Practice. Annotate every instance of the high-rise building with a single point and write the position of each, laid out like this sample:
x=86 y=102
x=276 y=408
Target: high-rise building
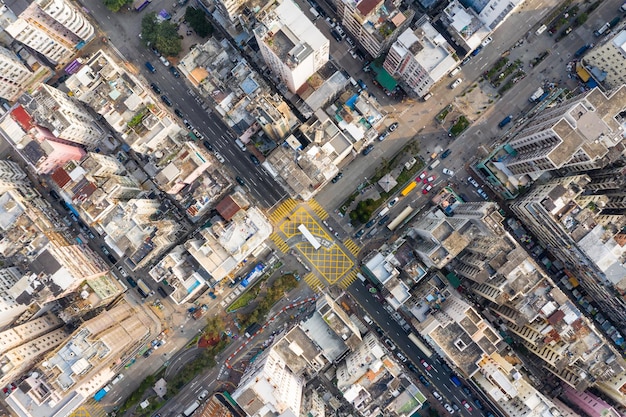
x=420 y=57
x=98 y=165
x=607 y=62
x=64 y=117
x=374 y=24
x=576 y=135
x=15 y=77
x=54 y=28
x=292 y=47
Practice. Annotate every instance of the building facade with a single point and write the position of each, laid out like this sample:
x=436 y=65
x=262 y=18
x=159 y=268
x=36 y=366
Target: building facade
x=607 y=62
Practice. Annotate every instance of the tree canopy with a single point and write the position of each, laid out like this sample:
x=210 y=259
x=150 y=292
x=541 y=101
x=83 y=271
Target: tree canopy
x=198 y=22
x=161 y=35
x=115 y=5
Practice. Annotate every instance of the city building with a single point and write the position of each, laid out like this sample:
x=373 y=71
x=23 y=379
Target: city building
x=273 y=116
x=65 y=377
x=606 y=62
x=464 y=26
x=220 y=405
x=221 y=248
x=10 y=309
x=98 y=165
x=291 y=46
x=54 y=28
x=65 y=117
x=579 y=134
x=420 y=58
x=492 y=13
x=16 y=76
x=374 y=24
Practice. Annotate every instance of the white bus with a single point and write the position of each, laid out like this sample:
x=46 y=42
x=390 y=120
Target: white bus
x=309 y=236
x=421 y=346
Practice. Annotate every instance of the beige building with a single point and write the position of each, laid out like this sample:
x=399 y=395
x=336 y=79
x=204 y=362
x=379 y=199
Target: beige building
x=98 y=165
x=607 y=62
x=15 y=76
x=54 y=28
x=273 y=116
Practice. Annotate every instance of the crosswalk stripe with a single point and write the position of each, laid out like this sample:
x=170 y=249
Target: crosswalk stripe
x=352 y=246
x=279 y=242
x=313 y=282
x=349 y=279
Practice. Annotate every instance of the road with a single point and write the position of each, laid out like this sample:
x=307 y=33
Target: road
x=123 y=31
x=437 y=376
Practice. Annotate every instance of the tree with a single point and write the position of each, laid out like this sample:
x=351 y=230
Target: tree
x=115 y=5
x=163 y=36
x=214 y=326
x=198 y=22
x=363 y=210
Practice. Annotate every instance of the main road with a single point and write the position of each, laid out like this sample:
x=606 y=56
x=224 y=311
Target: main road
x=123 y=31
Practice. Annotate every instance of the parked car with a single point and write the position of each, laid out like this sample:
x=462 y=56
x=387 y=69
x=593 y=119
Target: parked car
x=401 y=357
x=390 y=344
x=359 y=233
x=337 y=177
x=255 y=160
x=467 y=405
x=427 y=189
x=478 y=404
x=393 y=126
x=456 y=83
x=208 y=145
x=446 y=153
x=219 y=157
x=487 y=41
x=437 y=396
x=178 y=113
x=383 y=136
x=393 y=202
x=369 y=148
x=449 y=408
x=421 y=177
x=473 y=182
x=350 y=42
x=336 y=35
x=122 y=271
x=166 y=100
x=423 y=380
x=174 y=72
x=155 y=88
x=477 y=50
x=240 y=181
x=150 y=67
x=54 y=195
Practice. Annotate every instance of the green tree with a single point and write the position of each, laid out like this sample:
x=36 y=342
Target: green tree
x=149 y=28
x=363 y=210
x=115 y=5
x=214 y=326
x=163 y=36
x=198 y=22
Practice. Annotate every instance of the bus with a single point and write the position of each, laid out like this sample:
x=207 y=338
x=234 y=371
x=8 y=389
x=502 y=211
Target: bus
x=143 y=289
x=421 y=346
x=139 y=5
x=401 y=217
x=408 y=189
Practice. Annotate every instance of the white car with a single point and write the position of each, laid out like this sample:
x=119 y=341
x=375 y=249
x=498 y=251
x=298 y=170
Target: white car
x=203 y=395
x=487 y=41
x=449 y=408
x=219 y=157
x=437 y=395
x=473 y=182
x=122 y=271
x=456 y=83
x=448 y=172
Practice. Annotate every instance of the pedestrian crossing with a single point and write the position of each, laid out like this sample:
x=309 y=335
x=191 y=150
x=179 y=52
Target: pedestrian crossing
x=352 y=246
x=318 y=209
x=89 y=408
x=348 y=279
x=279 y=242
x=314 y=282
x=283 y=210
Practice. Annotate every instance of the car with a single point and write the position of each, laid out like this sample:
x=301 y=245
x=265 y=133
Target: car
x=359 y=233
x=393 y=202
x=467 y=405
x=340 y=30
x=425 y=365
x=370 y=223
x=164 y=61
x=208 y=145
x=91 y=235
x=446 y=153
x=337 y=177
x=466 y=390
x=150 y=67
x=240 y=181
x=197 y=133
x=353 y=54
x=449 y=408
x=212 y=295
x=350 y=42
x=466 y=60
x=384 y=220
x=122 y=271
x=362 y=84
x=423 y=380
x=155 y=88
x=55 y=195
x=448 y=172
x=369 y=148
x=437 y=396
x=456 y=83
x=427 y=189
x=456 y=407
x=219 y=157
x=162 y=291
x=174 y=72
x=255 y=160
x=429 y=179
x=147 y=353
x=336 y=35
x=478 y=404
x=111 y=258
x=393 y=126
x=412 y=368
x=380 y=331
x=390 y=344
x=383 y=136
x=477 y=50
x=166 y=100
x=482 y=193
x=421 y=177
x=487 y=41
x=203 y=395
x=178 y=113
x=105 y=250
x=401 y=357
x=473 y=182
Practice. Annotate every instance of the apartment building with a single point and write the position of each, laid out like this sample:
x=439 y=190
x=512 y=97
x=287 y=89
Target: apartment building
x=54 y=28
x=580 y=134
x=420 y=57
x=374 y=24
x=15 y=76
x=607 y=62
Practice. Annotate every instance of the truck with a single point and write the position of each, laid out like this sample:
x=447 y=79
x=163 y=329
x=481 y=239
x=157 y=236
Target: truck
x=538 y=93
x=505 y=121
x=602 y=30
x=581 y=51
x=100 y=394
x=614 y=22
x=190 y=410
x=199 y=312
x=139 y=5
x=455 y=380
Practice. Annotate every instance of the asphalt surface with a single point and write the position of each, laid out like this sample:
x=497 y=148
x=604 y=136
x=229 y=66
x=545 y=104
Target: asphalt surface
x=437 y=376
x=123 y=30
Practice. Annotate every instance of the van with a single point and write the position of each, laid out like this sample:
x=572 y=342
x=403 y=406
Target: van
x=353 y=82
x=427 y=96
x=383 y=212
x=434 y=164
x=240 y=145
x=150 y=67
x=117 y=379
x=315 y=13
x=454 y=72
x=541 y=29
x=384 y=220
x=368 y=320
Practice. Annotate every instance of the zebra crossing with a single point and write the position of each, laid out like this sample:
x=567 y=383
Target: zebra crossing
x=89 y=408
x=313 y=282
x=279 y=242
x=283 y=210
x=348 y=279
x=352 y=246
x=318 y=209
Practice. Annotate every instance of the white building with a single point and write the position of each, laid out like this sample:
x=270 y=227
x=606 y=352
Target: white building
x=54 y=28
x=420 y=58
x=65 y=117
x=10 y=309
x=292 y=47
x=14 y=75
x=269 y=387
